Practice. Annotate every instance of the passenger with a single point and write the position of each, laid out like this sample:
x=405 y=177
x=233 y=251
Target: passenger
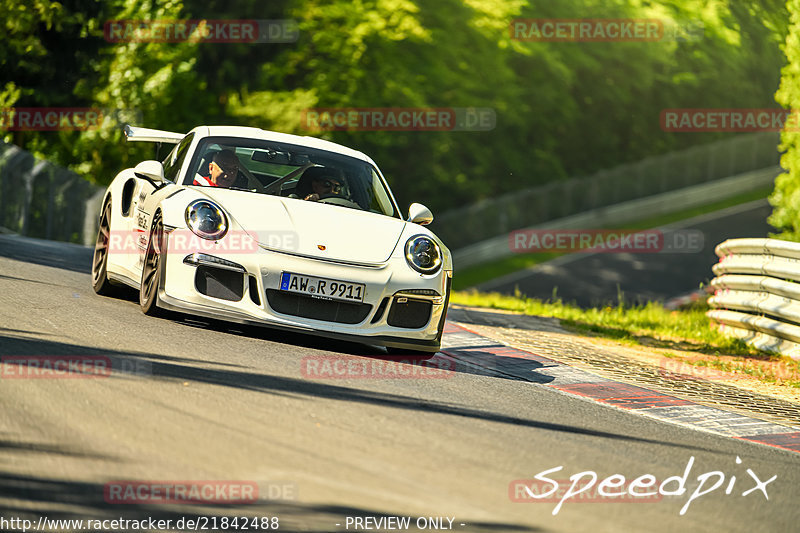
x=223 y=170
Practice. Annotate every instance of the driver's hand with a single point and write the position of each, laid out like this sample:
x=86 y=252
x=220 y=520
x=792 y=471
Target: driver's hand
x=314 y=197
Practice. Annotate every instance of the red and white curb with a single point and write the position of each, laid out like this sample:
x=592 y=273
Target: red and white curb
x=470 y=348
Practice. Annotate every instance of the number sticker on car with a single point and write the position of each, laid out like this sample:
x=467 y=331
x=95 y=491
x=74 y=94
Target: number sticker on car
x=322 y=287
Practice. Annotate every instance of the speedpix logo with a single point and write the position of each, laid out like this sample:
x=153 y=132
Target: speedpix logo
x=644 y=488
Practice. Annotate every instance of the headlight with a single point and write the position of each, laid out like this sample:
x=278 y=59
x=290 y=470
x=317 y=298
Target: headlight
x=423 y=254
x=206 y=220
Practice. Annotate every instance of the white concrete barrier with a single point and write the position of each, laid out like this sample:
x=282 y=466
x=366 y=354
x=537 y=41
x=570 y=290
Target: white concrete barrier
x=757 y=293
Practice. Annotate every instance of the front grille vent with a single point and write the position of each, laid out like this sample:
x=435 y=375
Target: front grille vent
x=219 y=283
x=411 y=313
x=317 y=308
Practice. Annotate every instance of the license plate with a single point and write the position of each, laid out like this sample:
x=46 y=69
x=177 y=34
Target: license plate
x=322 y=287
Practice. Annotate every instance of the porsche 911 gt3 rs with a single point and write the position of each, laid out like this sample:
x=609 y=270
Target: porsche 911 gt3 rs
x=272 y=229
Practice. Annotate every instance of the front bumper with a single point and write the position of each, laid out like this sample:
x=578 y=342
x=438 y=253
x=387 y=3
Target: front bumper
x=386 y=296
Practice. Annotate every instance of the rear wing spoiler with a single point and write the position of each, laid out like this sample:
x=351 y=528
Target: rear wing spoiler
x=155 y=136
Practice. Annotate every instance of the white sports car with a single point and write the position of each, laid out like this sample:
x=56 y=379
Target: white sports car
x=266 y=228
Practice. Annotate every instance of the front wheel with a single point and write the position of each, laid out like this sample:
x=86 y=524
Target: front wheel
x=151 y=269
x=100 y=281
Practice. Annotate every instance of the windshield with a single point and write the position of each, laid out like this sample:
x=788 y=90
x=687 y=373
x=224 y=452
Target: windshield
x=294 y=172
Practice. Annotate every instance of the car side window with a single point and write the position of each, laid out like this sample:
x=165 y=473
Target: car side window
x=174 y=161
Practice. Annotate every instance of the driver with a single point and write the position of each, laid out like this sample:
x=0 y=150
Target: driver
x=222 y=170
x=317 y=182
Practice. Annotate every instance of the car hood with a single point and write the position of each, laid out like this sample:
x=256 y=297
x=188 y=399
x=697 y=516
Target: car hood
x=311 y=228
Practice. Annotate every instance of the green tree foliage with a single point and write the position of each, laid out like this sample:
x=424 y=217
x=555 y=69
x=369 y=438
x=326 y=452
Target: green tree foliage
x=786 y=196
x=562 y=108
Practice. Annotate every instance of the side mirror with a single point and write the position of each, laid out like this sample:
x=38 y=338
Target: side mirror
x=150 y=170
x=419 y=214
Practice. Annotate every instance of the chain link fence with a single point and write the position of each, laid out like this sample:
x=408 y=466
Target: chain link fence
x=521 y=209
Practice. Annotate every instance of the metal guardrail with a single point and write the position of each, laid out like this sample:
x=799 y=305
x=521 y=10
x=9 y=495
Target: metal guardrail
x=757 y=293
x=616 y=216
x=531 y=207
x=40 y=199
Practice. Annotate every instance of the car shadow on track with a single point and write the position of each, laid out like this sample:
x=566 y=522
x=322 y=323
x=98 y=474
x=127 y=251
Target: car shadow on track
x=28 y=497
x=155 y=368
x=346 y=358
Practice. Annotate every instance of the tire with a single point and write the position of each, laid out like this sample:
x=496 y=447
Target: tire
x=151 y=270
x=100 y=281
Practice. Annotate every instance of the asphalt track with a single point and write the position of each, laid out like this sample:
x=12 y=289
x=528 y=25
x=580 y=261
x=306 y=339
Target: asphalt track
x=600 y=278
x=193 y=400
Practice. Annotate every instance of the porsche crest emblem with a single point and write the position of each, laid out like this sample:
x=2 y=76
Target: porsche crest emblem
x=322 y=247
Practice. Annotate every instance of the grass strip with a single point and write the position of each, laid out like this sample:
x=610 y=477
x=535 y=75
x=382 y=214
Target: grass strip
x=648 y=325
